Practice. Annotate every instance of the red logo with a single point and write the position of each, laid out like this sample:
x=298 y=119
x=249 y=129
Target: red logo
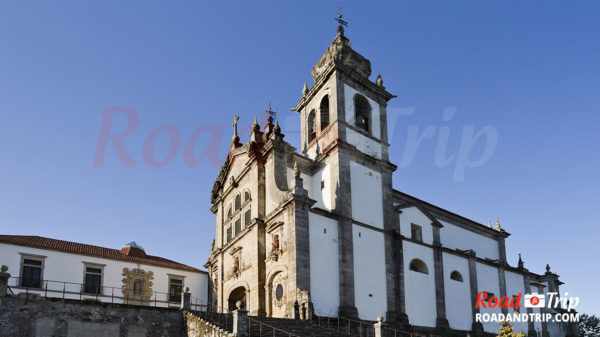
x=534 y=300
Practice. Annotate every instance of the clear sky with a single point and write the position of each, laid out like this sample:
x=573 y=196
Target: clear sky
x=527 y=72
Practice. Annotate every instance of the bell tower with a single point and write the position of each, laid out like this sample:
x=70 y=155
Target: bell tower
x=344 y=105
x=344 y=130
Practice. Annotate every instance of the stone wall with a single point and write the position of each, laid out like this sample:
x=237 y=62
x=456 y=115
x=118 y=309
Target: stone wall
x=41 y=317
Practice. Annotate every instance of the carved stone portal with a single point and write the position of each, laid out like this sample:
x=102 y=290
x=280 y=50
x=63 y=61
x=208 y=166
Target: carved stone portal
x=137 y=285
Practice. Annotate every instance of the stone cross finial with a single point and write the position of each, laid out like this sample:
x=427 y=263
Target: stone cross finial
x=341 y=23
x=235 y=123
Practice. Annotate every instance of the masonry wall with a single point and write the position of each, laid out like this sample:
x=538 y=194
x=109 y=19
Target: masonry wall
x=324 y=265
x=57 y=318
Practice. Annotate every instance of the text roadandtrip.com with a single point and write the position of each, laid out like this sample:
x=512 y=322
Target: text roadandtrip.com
x=531 y=301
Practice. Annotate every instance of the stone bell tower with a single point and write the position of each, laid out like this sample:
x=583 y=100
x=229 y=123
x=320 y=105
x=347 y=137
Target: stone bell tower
x=344 y=129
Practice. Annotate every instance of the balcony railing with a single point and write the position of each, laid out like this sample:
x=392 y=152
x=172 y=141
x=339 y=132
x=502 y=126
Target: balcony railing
x=104 y=294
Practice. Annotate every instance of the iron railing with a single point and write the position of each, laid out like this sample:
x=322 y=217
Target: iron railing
x=105 y=294
x=274 y=332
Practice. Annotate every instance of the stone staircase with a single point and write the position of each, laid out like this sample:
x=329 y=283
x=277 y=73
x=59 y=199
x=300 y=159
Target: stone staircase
x=276 y=327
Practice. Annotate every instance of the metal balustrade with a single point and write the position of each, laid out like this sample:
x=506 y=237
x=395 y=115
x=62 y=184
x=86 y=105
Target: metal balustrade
x=104 y=294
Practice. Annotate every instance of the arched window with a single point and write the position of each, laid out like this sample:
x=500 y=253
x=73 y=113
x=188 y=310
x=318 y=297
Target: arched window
x=418 y=266
x=456 y=276
x=246 y=196
x=362 y=113
x=238 y=202
x=312 y=132
x=324 y=109
x=229 y=212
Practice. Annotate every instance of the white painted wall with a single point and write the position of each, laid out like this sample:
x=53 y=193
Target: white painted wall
x=412 y=215
x=367 y=198
x=321 y=196
x=455 y=237
x=457 y=294
x=349 y=93
x=514 y=286
x=324 y=264
x=370 y=292
x=487 y=280
x=66 y=267
x=364 y=144
x=419 y=288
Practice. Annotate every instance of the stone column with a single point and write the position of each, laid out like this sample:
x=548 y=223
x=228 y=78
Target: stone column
x=186 y=299
x=240 y=320
x=4 y=276
x=438 y=265
x=379 y=327
x=476 y=326
x=502 y=284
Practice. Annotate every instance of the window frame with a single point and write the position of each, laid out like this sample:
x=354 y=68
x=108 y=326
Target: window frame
x=416 y=269
x=460 y=277
x=93 y=265
x=414 y=228
x=369 y=113
x=40 y=258
x=173 y=277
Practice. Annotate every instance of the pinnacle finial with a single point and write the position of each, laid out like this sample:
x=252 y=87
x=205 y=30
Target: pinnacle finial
x=498 y=228
x=235 y=123
x=490 y=223
x=379 y=81
x=547 y=268
x=520 y=261
x=255 y=121
x=296 y=170
x=304 y=90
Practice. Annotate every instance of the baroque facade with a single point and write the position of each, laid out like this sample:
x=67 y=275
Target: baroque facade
x=323 y=231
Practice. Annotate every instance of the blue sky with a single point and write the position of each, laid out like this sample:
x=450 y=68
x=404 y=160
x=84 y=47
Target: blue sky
x=528 y=70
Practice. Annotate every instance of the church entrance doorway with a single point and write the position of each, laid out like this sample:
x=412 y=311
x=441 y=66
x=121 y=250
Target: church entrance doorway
x=238 y=294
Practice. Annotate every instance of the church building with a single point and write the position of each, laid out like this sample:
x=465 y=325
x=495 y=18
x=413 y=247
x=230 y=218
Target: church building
x=321 y=230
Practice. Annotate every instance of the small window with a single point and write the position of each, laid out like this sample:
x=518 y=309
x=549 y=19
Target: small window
x=456 y=276
x=362 y=113
x=246 y=196
x=247 y=218
x=324 y=109
x=175 y=289
x=31 y=275
x=238 y=226
x=93 y=280
x=418 y=266
x=312 y=131
x=279 y=292
x=416 y=232
x=229 y=212
x=238 y=202
x=229 y=236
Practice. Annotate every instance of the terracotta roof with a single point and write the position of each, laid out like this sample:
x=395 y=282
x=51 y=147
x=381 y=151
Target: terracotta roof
x=83 y=249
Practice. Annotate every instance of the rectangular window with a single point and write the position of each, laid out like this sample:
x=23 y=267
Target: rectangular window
x=247 y=218
x=175 y=289
x=93 y=280
x=238 y=226
x=228 y=234
x=31 y=276
x=416 y=233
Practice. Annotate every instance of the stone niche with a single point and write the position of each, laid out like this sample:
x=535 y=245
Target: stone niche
x=137 y=285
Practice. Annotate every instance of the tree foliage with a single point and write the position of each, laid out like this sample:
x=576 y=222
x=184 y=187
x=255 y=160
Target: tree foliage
x=507 y=330
x=588 y=326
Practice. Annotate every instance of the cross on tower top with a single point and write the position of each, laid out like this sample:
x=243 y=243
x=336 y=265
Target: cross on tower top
x=341 y=23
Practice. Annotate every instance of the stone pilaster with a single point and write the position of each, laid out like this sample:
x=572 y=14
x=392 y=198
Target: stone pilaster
x=343 y=207
x=438 y=265
x=530 y=325
x=4 y=276
x=476 y=326
x=543 y=310
x=502 y=285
